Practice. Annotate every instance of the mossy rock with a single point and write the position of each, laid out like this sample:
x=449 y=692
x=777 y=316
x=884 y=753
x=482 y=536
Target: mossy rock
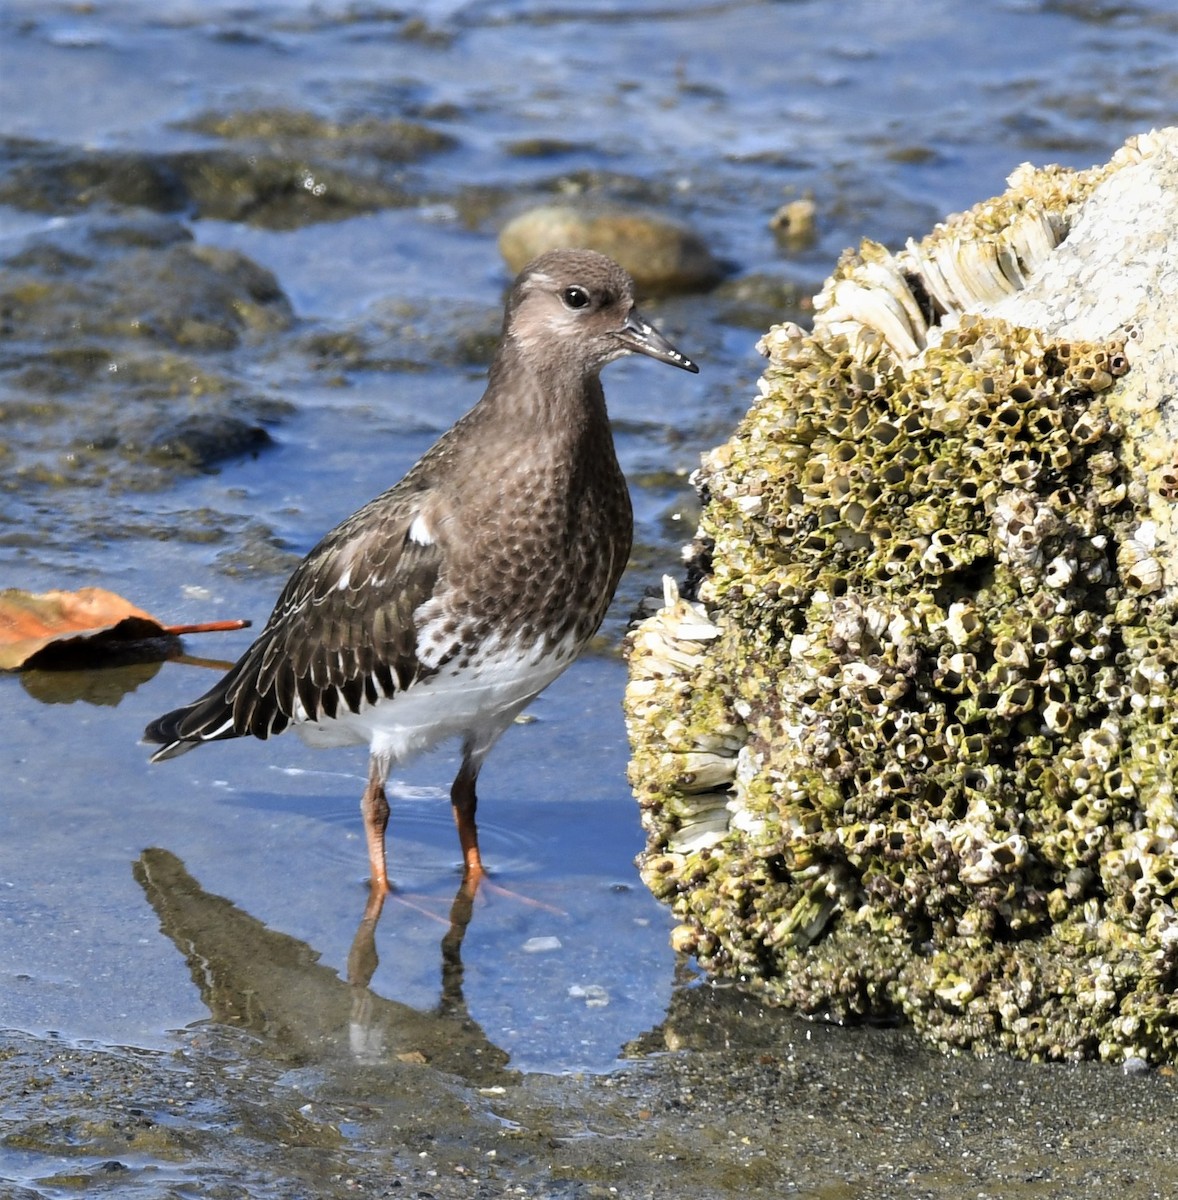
x=929 y=661
x=119 y=368
x=662 y=255
x=274 y=168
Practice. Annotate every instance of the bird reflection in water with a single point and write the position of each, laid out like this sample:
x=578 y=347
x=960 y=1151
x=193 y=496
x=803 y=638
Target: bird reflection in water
x=273 y=985
x=367 y=1031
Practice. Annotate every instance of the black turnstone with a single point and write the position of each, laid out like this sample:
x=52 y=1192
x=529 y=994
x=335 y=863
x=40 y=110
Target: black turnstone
x=447 y=604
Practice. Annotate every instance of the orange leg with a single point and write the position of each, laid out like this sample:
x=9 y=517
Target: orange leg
x=374 y=807
x=465 y=801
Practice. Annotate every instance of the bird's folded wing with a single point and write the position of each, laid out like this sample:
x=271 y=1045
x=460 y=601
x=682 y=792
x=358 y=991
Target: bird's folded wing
x=342 y=633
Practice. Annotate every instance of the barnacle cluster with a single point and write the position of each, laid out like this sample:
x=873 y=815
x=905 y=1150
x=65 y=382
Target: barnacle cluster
x=912 y=747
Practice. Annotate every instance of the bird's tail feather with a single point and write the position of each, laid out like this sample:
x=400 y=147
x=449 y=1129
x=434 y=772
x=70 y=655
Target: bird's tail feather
x=209 y=719
x=172 y=749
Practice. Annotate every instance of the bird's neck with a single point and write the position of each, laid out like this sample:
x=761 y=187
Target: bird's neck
x=549 y=393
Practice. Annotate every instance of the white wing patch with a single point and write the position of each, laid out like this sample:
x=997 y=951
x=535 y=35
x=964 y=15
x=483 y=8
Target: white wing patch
x=420 y=532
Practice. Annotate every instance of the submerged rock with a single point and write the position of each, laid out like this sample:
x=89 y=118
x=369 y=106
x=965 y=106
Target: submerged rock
x=276 y=168
x=201 y=440
x=913 y=746
x=118 y=369
x=388 y=140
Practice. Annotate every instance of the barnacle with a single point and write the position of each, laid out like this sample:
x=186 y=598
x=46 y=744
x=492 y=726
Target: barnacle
x=911 y=746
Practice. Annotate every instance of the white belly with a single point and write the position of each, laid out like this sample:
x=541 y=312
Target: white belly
x=476 y=702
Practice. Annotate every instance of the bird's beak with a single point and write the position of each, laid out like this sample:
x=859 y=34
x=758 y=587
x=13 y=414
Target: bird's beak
x=639 y=335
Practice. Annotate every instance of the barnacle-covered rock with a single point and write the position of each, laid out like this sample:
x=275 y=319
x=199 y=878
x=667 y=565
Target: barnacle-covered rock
x=909 y=744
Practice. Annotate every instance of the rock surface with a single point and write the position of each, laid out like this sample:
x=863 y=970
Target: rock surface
x=911 y=747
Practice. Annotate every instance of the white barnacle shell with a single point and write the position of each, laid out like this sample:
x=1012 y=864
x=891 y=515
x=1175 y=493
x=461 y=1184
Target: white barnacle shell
x=1033 y=237
x=1101 y=745
x=1140 y=569
x=1057 y=716
x=925 y=265
x=1145 y=575
x=887 y=278
x=861 y=674
x=992 y=861
x=963 y=624
x=1020 y=525
x=1147 y=534
x=1060 y=572
x=876 y=308
x=702 y=834
x=783 y=343
x=704 y=771
x=981 y=268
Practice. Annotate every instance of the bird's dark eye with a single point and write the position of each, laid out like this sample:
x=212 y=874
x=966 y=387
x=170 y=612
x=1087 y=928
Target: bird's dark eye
x=575 y=297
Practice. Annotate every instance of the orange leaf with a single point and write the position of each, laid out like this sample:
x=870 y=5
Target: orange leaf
x=90 y=618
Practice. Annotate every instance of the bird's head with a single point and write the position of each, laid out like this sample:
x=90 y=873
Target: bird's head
x=576 y=308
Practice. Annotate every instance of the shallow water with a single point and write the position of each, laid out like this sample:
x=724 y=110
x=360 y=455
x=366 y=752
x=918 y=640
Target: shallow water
x=891 y=115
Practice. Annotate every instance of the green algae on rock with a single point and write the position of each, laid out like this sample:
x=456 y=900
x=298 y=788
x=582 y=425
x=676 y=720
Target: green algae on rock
x=912 y=747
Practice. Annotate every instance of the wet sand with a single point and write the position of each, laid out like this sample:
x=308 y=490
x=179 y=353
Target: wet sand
x=749 y=1103
x=309 y=1083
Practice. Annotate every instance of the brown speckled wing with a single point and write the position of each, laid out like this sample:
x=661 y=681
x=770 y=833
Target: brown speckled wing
x=341 y=634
